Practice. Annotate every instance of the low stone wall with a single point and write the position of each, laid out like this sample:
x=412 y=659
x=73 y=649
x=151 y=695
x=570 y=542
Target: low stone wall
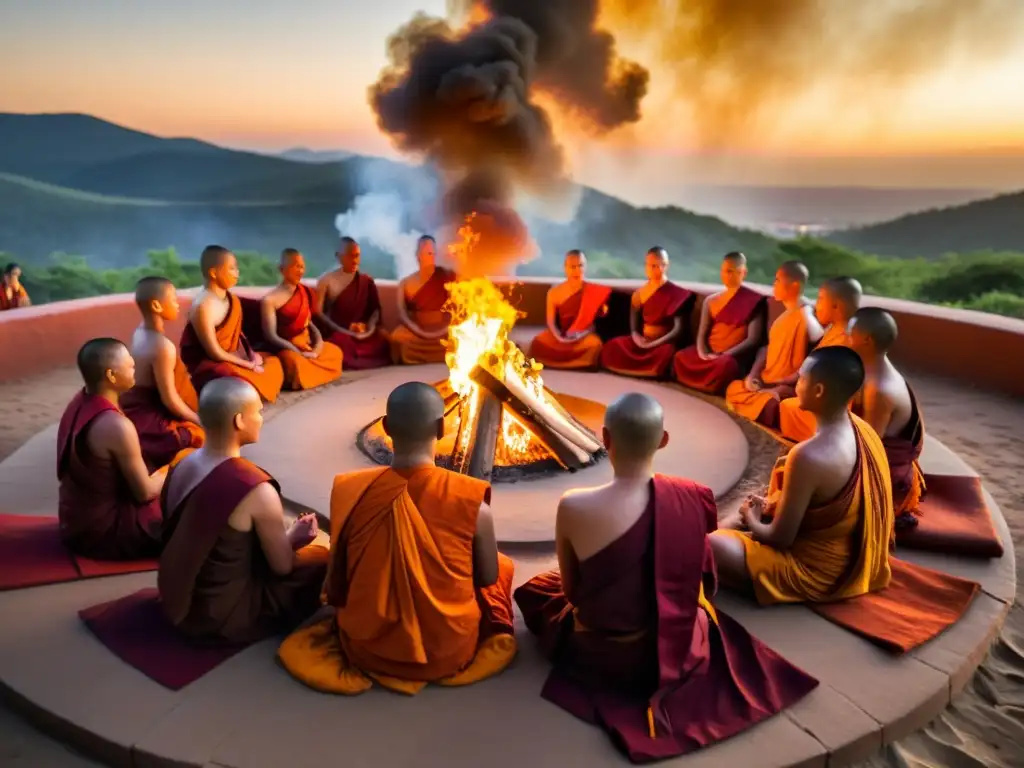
x=978 y=349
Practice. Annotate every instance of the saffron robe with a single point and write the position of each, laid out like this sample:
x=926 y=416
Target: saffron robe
x=233 y=341
x=161 y=435
x=903 y=452
x=357 y=304
x=641 y=652
x=293 y=319
x=215 y=583
x=787 y=348
x=401 y=582
x=16 y=300
x=842 y=547
x=622 y=355
x=729 y=320
x=99 y=517
x=795 y=423
x=425 y=309
x=574 y=315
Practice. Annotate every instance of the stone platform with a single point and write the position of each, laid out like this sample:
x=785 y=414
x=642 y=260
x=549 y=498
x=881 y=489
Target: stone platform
x=248 y=713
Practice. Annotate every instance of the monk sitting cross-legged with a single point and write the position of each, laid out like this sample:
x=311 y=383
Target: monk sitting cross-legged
x=421 y=299
x=231 y=571
x=348 y=310
x=162 y=404
x=109 y=507
x=569 y=341
x=731 y=328
x=287 y=314
x=777 y=365
x=656 y=323
x=823 y=532
x=888 y=404
x=212 y=344
x=420 y=593
x=637 y=646
x=838 y=299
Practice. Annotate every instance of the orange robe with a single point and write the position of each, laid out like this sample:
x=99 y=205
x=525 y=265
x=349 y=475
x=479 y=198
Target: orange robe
x=357 y=304
x=17 y=299
x=842 y=547
x=730 y=320
x=622 y=355
x=425 y=309
x=293 y=320
x=787 y=348
x=574 y=315
x=231 y=339
x=794 y=422
x=401 y=582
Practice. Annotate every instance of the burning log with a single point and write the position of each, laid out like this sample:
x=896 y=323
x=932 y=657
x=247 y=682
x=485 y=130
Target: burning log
x=477 y=439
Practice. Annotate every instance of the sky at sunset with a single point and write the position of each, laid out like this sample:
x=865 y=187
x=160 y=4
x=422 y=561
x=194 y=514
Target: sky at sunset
x=272 y=75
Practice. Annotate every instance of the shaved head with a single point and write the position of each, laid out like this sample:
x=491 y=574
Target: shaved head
x=846 y=291
x=839 y=370
x=413 y=412
x=213 y=256
x=736 y=258
x=98 y=356
x=222 y=399
x=635 y=424
x=288 y=254
x=659 y=252
x=150 y=289
x=795 y=271
x=878 y=325
x=348 y=242
x=575 y=253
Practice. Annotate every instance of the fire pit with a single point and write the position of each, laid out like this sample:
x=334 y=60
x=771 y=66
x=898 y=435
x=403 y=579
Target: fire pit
x=501 y=423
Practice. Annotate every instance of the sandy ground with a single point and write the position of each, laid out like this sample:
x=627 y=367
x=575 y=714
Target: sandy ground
x=984 y=726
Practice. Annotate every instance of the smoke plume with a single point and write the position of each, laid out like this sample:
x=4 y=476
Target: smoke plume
x=464 y=99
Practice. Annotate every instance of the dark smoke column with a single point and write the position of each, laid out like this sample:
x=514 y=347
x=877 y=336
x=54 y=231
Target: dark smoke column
x=463 y=101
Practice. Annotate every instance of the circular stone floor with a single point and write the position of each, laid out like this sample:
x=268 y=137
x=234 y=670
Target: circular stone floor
x=248 y=713
x=305 y=446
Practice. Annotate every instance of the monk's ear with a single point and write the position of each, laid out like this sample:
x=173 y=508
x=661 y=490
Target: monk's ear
x=156 y=307
x=664 y=440
x=236 y=422
x=606 y=438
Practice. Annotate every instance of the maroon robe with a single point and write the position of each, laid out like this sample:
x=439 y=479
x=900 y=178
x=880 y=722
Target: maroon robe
x=622 y=355
x=696 y=677
x=713 y=376
x=161 y=435
x=357 y=304
x=215 y=583
x=99 y=516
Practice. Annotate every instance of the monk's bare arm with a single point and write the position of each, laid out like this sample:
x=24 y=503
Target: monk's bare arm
x=673 y=332
x=268 y=317
x=704 y=328
x=403 y=312
x=550 y=315
x=634 y=321
x=753 y=379
x=263 y=506
x=202 y=322
x=568 y=563
x=118 y=436
x=320 y=294
x=877 y=407
x=755 y=330
x=798 y=487
x=485 y=549
x=814 y=329
x=163 y=376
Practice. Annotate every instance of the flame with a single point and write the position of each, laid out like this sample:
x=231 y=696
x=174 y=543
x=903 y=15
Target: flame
x=481 y=319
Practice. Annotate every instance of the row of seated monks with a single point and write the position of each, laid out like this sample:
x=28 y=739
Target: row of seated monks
x=12 y=293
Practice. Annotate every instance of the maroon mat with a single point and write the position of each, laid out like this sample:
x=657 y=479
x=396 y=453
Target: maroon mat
x=954 y=519
x=31 y=553
x=134 y=629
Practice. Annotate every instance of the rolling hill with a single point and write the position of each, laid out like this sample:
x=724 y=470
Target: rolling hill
x=76 y=184
x=995 y=224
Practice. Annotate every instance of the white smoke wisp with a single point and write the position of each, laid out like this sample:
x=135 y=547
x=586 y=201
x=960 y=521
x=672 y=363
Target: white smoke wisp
x=376 y=218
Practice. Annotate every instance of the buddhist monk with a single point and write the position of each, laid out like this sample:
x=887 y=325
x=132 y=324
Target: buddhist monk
x=838 y=299
x=12 y=293
x=287 y=313
x=109 y=505
x=731 y=328
x=349 y=312
x=162 y=404
x=569 y=341
x=422 y=323
x=232 y=569
x=213 y=345
x=888 y=404
x=420 y=593
x=637 y=647
x=776 y=368
x=656 y=321
x=823 y=532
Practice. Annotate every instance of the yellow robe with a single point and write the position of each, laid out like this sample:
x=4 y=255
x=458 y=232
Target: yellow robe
x=842 y=547
x=794 y=422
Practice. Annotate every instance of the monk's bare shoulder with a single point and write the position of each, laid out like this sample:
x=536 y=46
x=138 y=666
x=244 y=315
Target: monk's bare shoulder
x=560 y=292
x=112 y=430
x=200 y=305
x=277 y=297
